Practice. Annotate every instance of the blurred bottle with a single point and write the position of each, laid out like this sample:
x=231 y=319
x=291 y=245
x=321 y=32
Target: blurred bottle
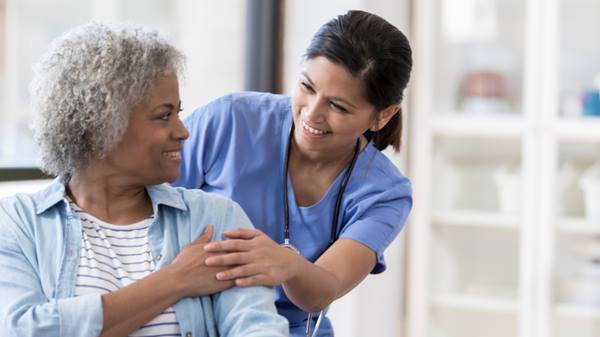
x=590 y=102
x=484 y=86
x=590 y=99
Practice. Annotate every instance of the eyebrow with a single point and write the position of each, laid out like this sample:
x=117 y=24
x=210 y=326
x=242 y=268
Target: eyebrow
x=168 y=105
x=334 y=98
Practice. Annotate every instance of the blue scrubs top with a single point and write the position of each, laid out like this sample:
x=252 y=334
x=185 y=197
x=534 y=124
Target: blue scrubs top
x=237 y=148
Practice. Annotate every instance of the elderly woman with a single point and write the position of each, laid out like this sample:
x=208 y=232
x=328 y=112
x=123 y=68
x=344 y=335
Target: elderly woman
x=108 y=249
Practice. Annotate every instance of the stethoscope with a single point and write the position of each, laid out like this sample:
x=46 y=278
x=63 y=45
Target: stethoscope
x=334 y=222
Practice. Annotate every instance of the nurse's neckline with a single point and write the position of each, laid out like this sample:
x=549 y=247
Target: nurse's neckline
x=297 y=156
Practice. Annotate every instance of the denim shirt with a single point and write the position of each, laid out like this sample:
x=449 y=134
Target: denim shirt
x=40 y=241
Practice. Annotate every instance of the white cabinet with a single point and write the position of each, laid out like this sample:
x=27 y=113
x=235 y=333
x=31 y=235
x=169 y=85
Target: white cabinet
x=505 y=124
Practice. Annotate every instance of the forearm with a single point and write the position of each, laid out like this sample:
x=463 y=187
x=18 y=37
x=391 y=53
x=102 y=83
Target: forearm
x=341 y=268
x=127 y=309
x=312 y=287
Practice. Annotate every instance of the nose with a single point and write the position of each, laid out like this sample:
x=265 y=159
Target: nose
x=180 y=132
x=315 y=110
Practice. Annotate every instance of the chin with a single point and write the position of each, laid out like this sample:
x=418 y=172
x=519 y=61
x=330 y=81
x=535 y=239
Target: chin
x=169 y=179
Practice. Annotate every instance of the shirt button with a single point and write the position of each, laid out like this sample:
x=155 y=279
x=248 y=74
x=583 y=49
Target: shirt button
x=159 y=257
x=188 y=334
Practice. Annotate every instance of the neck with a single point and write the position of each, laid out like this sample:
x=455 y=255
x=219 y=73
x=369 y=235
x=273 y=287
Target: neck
x=109 y=197
x=321 y=160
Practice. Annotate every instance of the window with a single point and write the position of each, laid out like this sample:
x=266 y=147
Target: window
x=209 y=33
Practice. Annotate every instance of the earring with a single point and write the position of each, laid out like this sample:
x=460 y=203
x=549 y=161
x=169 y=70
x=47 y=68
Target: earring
x=375 y=127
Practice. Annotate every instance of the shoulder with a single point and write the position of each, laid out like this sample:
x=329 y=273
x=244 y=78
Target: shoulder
x=197 y=198
x=21 y=214
x=258 y=100
x=212 y=208
x=239 y=104
x=378 y=174
x=189 y=200
x=15 y=210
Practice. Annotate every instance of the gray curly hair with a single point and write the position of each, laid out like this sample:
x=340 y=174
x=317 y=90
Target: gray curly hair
x=85 y=86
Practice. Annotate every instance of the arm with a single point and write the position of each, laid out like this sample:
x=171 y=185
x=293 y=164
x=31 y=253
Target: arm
x=25 y=310
x=126 y=309
x=311 y=286
x=248 y=311
x=255 y=259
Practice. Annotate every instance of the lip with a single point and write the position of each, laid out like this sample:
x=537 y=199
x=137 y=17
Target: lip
x=174 y=155
x=307 y=133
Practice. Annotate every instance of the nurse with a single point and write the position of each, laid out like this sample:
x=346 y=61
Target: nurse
x=308 y=169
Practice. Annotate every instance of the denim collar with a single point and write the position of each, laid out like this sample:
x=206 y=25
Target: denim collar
x=54 y=193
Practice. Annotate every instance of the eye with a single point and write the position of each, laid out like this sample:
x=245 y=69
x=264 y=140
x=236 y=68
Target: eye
x=307 y=87
x=166 y=116
x=338 y=107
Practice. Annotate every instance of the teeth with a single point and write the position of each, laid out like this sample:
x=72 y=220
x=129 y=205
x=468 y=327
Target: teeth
x=313 y=130
x=172 y=155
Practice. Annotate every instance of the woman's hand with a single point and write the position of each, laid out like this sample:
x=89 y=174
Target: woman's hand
x=192 y=273
x=255 y=258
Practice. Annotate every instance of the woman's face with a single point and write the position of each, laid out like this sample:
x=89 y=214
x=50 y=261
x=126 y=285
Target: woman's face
x=329 y=108
x=150 y=151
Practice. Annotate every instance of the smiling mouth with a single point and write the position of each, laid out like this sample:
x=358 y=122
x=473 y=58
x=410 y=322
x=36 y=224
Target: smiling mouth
x=314 y=131
x=172 y=154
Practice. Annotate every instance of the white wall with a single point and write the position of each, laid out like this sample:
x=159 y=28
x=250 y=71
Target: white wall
x=375 y=307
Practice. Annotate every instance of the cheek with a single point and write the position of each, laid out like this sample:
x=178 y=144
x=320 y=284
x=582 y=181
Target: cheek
x=299 y=98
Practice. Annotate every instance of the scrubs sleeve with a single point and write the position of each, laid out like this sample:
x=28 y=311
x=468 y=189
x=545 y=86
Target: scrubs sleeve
x=249 y=311
x=25 y=310
x=208 y=144
x=382 y=216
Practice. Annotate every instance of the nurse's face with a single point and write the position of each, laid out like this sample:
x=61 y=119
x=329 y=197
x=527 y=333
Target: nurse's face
x=329 y=108
x=150 y=151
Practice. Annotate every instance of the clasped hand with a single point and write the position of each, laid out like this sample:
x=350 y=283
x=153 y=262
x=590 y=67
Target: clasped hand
x=192 y=274
x=252 y=258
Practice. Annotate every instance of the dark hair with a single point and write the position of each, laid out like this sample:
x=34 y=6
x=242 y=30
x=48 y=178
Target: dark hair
x=375 y=51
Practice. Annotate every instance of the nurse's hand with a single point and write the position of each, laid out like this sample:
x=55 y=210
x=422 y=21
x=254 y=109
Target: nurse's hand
x=192 y=274
x=253 y=257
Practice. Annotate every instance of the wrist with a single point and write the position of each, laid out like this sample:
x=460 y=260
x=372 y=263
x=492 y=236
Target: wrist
x=294 y=261
x=172 y=277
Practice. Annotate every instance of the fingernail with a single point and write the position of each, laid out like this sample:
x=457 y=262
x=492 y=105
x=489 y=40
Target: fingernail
x=221 y=276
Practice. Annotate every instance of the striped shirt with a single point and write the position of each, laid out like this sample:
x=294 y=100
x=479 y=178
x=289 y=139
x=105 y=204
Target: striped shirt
x=114 y=256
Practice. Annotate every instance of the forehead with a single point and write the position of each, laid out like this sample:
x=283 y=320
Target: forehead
x=165 y=87
x=163 y=91
x=333 y=79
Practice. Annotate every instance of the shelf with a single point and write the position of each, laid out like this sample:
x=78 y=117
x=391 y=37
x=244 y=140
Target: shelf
x=477 y=219
x=578 y=225
x=578 y=129
x=576 y=311
x=469 y=302
x=461 y=124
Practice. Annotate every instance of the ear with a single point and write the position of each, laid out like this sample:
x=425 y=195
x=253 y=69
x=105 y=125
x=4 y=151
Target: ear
x=384 y=117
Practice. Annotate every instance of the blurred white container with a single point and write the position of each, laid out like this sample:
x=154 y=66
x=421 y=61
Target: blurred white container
x=590 y=184
x=582 y=288
x=508 y=182
x=567 y=181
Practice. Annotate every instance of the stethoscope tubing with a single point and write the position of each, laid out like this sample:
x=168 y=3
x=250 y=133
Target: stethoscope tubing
x=338 y=200
x=334 y=222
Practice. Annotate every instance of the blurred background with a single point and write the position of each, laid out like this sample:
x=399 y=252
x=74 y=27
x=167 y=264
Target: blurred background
x=502 y=145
